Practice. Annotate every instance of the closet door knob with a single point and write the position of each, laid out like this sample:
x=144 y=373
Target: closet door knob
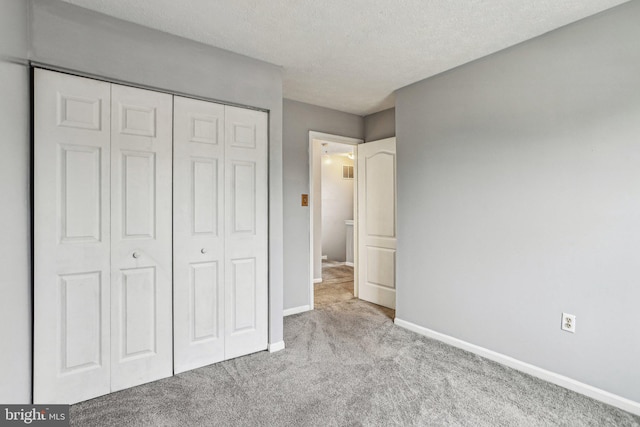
x=203 y=250
x=136 y=255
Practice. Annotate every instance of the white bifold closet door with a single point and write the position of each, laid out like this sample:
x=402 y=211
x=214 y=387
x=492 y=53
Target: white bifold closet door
x=246 y=228
x=102 y=240
x=220 y=232
x=141 y=262
x=198 y=229
x=72 y=238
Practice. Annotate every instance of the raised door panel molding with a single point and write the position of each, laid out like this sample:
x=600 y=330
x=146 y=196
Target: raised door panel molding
x=381 y=267
x=204 y=201
x=204 y=129
x=243 y=289
x=243 y=135
x=204 y=296
x=137 y=120
x=81 y=305
x=79 y=112
x=244 y=197
x=380 y=187
x=80 y=193
x=138 y=195
x=138 y=313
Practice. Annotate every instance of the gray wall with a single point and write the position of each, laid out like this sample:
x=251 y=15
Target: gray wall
x=299 y=119
x=380 y=125
x=337 y=206
x=15 y=258
x=519 y=198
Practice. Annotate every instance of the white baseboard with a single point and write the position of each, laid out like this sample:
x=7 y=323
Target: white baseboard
x=552 y=377
x=348 y=264
x=296 y=310
x=276 y=346
x=318 y=280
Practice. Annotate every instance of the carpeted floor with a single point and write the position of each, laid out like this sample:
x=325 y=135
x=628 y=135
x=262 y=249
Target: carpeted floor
x=346 y=363
x=336 y=286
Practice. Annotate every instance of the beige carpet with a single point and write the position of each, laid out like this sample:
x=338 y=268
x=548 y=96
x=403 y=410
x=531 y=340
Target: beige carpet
x=336 y=286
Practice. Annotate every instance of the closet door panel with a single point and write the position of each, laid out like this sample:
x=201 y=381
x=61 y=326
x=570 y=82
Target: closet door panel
x=198 y=228
x=141 y=263
x=71 y=238
x=246 y=219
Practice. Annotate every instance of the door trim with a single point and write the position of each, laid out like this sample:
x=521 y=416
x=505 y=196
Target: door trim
x=72 y=72
x=319 y=137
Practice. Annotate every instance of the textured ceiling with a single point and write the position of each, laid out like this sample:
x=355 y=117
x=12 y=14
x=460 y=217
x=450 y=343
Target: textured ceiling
x=351 y=55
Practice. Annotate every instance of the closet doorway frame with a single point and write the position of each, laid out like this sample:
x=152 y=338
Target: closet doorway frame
x=33 y=65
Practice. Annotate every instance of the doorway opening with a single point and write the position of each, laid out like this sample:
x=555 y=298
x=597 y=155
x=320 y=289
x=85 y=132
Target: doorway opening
x=333 y=219
x=337 y=213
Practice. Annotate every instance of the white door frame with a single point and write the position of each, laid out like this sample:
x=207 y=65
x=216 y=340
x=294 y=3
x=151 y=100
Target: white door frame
x=319 y=137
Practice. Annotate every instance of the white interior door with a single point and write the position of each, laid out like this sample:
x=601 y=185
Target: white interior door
x=198 y=230
x=71 y=239
x=246 y=219
x=377 y=222
x=141 y=300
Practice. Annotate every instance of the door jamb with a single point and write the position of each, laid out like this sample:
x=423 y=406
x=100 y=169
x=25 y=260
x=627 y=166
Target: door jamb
x=318 y=137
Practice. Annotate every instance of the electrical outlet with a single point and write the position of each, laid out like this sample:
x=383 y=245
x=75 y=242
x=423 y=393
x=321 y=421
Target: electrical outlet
x=568 y=322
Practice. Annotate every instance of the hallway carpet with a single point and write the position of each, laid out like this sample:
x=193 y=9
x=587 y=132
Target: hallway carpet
x=336 y=286
x=347 y=364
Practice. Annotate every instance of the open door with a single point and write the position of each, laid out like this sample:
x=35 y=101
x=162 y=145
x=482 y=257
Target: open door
x=377 y=222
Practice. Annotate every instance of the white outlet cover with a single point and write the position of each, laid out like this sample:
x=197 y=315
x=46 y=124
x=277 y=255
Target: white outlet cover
x=568 y=322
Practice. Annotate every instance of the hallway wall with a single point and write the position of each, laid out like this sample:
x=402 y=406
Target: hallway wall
x=337 y=206
x=380 y=125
